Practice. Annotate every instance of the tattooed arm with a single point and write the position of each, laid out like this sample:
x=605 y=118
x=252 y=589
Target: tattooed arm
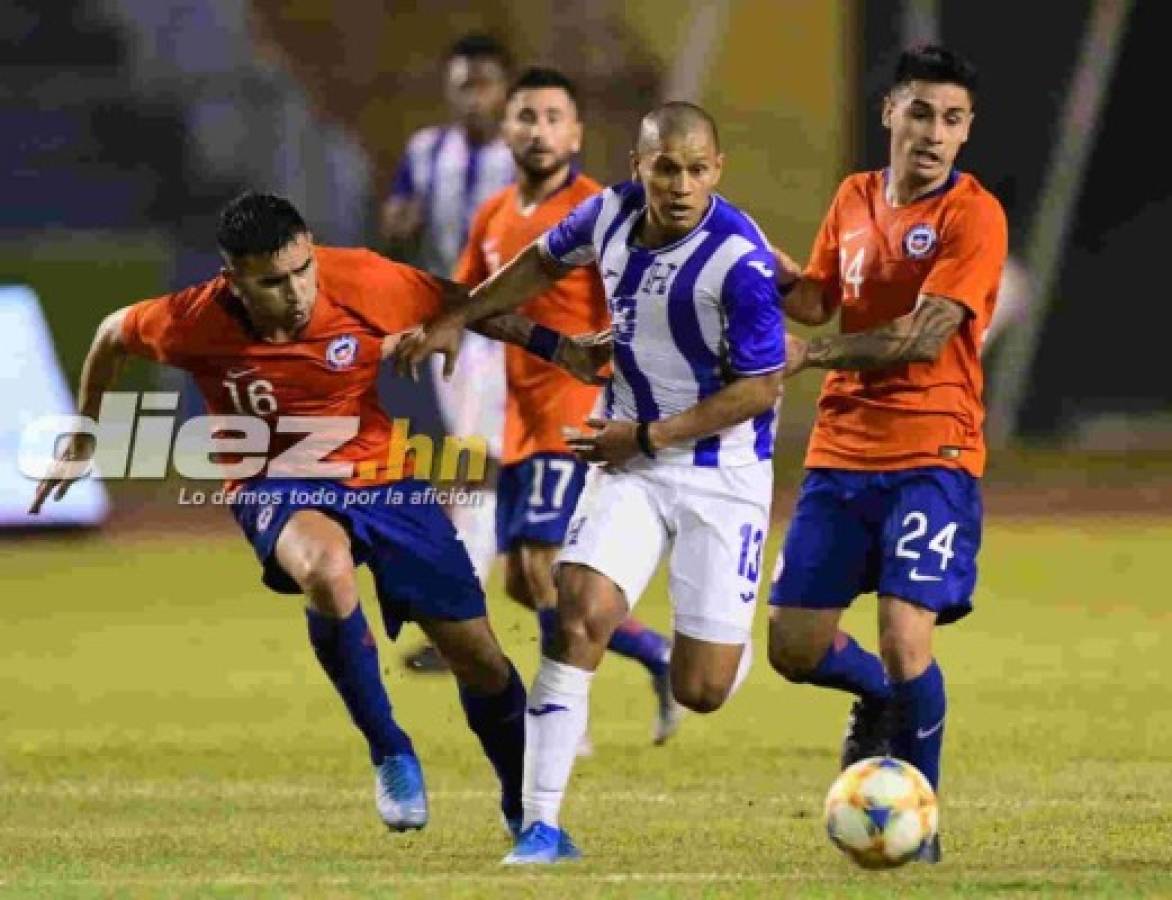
x=917 y=337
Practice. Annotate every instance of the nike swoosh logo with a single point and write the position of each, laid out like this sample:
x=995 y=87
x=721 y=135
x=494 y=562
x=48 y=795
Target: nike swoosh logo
x=545 y=709
x=916 y=576
x=536 y=517
x=761 y=267
x=854 y=233
x=748 y=596
x=924 y=734
x=240 y=373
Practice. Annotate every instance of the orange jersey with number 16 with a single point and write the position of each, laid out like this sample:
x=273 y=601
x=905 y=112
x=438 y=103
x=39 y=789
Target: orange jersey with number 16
x=876 y=260
x=330 y=370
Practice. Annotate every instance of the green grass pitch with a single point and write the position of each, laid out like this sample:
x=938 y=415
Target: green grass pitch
x=164 y=731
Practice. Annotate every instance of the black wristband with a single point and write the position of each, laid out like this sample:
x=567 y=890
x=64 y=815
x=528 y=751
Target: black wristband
x=543 y=342
x=643 y=439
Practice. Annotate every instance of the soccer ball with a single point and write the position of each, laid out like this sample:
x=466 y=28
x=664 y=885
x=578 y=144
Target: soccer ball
x=880 y=811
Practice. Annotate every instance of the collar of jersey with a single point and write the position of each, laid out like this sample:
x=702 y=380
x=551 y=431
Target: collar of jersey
x=948 y=185
x=667 y=248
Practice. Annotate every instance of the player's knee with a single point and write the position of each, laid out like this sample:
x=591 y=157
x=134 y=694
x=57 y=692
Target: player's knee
x=579 y=636
x=791 y=661
x=700 y=695
x=328 y=572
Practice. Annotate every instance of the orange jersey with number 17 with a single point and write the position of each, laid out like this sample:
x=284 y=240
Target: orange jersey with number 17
x=875 y=260
x=541 y=398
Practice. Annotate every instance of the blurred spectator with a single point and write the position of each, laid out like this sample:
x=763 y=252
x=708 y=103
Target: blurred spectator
x=449 y=170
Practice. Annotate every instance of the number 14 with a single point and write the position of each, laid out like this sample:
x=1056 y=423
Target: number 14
x=852 y=271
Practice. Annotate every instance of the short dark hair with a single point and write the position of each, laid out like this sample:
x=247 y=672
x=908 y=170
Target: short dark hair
x=676 y=117
x=480 y=46
x=931 y=62
x=256 y=224
x=538 y=77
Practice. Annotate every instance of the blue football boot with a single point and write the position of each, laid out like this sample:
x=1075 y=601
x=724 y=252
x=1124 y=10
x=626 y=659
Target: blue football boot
x=399 y=792
x=542 y=844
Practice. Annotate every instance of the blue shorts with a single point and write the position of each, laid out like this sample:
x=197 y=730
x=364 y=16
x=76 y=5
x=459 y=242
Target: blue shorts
x=535 y=499
x=912 y=534
x=421 y=569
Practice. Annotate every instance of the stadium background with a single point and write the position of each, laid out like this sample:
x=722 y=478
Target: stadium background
x=129 y=685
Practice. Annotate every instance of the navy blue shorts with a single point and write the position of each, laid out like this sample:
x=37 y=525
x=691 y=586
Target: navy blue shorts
x=535 y=499
x=421 y=569
x=912 y=534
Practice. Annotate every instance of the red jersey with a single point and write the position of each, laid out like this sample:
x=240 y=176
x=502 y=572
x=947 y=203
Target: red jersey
x=329 y=370
x=876 y=260
x=542 y=398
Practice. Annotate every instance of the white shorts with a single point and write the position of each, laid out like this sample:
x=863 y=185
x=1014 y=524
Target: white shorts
x=473 y=402
x=714 y=520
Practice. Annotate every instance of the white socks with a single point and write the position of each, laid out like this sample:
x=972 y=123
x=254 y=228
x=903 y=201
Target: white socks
x=555 y=720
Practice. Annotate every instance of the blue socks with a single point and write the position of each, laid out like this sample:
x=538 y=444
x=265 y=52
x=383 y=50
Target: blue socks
x=347 y=651
x=848 y=667
x=636 y=641
x=921 y=707
x=499 y=721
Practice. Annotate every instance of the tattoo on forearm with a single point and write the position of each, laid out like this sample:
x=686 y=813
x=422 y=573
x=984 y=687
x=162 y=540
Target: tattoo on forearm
x=917 y=337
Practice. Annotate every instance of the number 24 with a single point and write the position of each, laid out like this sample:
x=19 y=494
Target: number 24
x=941 y=543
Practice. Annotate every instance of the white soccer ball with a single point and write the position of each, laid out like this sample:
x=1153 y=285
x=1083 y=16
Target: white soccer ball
x=880 y=811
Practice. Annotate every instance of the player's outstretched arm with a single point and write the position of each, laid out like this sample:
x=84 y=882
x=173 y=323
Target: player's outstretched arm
x=917 y=337
x=102 y=365
x=529 y=273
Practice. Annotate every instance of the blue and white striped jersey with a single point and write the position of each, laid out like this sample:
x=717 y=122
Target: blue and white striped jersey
x=687 y=317
x=452 y=178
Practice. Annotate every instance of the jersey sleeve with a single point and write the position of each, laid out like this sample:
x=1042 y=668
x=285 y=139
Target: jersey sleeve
x=393 y=296
x=158 y=329
x=472 y=267
x=974 y=243
x=571 y=241
x=755 y=330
